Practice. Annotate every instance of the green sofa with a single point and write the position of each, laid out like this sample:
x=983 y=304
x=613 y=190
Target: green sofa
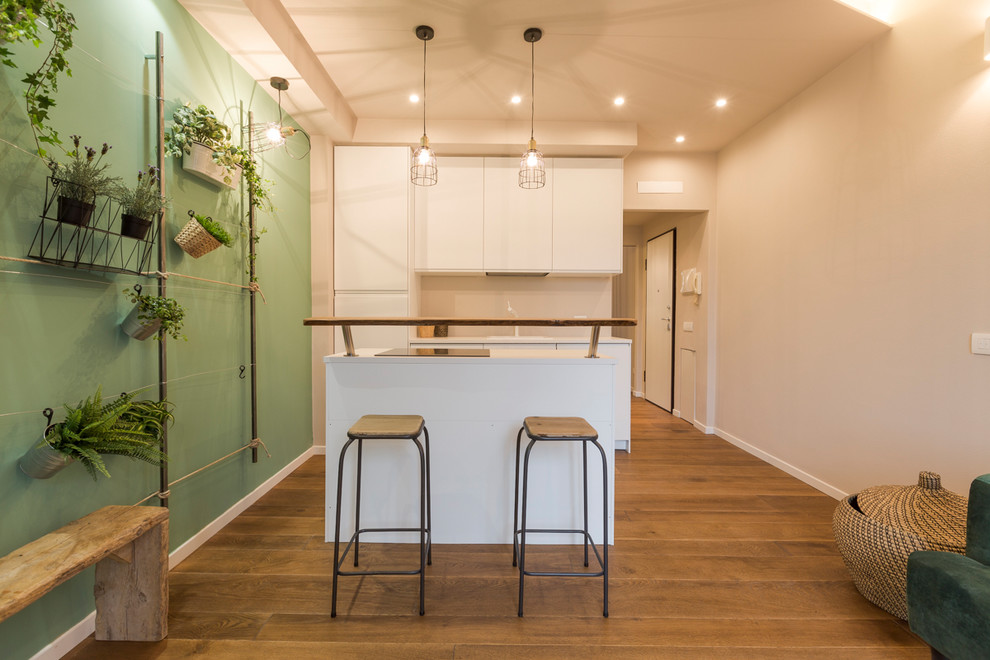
x=948 y=595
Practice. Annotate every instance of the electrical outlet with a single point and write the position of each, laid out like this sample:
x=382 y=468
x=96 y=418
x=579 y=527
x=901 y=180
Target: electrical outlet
x=980 y=343
x=689 y=326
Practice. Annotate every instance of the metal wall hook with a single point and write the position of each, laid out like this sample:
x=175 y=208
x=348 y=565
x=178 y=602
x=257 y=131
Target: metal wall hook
x=137 y=287
x=241 y=376
x=48 y=413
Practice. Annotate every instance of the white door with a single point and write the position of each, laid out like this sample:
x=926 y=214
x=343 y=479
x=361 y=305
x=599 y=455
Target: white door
x=660 y=320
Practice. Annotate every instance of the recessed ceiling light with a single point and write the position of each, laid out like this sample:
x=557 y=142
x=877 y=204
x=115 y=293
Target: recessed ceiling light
x=619 y=100
x=414 y=98
x=679 y=138
x=721 y=103
x=517 y=99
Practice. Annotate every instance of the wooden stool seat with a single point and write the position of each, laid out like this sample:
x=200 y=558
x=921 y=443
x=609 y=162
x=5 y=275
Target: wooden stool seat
x=551 y=428
x=387 y=426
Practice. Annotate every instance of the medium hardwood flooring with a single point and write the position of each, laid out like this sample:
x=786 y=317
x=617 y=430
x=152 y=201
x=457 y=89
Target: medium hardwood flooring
x=717 y=555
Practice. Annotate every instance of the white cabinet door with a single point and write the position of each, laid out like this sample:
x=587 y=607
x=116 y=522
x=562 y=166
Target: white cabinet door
x=518 y=222
x=587 y=215
x=449 y=218
x=372 y=304
x=371 y=218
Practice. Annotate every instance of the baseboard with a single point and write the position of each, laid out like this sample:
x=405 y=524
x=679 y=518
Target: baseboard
x=68 y=640
x=637 y=394
x=676 y=413
x=795 y=472
x=707 y=430
x=79 y=632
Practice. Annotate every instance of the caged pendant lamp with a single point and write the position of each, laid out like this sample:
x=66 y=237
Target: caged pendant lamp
x=424 y=168
x=532 y=171
x=272 y=134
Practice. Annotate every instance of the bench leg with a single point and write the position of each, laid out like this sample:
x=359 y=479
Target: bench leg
x=132 y=597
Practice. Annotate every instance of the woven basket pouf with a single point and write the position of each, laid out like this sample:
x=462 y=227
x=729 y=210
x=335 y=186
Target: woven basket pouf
x=195 y=240
x=877 y=529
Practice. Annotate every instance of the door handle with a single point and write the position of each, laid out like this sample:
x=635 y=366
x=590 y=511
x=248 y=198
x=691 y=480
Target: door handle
x=667 y=319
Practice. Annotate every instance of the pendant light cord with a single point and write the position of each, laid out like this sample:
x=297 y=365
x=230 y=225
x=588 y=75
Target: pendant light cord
x=424 y=86
x=532 y=88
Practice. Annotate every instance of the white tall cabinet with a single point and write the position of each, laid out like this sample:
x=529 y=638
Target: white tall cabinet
x=371 y=239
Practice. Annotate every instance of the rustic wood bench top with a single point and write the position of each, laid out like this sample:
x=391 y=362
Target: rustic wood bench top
x=38 y=567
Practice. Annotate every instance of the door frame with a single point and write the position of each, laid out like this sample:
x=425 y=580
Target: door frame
x=673 y=309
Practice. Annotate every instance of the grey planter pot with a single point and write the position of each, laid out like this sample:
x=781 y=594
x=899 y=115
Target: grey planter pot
x=138 y=329
x=42 y=462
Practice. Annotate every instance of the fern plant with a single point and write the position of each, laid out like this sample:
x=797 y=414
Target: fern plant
x=121 y=427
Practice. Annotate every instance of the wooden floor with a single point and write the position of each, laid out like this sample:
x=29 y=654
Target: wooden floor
x=717 y=555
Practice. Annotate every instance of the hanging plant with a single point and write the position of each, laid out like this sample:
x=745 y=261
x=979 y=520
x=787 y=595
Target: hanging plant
x=95 y=428
x=19 y=21
x=153 y=315
x=140 y=204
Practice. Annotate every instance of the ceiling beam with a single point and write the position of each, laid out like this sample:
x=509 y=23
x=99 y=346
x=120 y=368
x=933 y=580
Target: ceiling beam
x=274 y=18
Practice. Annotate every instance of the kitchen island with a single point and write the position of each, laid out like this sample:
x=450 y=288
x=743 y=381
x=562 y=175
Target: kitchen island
x=473 y=407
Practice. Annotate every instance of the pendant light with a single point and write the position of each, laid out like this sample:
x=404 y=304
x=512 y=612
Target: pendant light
x=424 y=168
x=272 y=134
x=532 y=171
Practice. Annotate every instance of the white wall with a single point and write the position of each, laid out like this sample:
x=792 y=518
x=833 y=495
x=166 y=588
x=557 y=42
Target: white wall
x=321 y=268
x=854 y=261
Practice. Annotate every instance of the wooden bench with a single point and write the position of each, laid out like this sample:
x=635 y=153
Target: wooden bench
x=128 y=544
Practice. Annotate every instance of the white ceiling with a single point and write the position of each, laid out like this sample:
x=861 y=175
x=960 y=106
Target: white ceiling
x=352 y=65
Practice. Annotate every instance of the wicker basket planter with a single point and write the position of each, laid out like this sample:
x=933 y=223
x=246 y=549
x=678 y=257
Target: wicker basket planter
x=195 y=240
x=877 y=529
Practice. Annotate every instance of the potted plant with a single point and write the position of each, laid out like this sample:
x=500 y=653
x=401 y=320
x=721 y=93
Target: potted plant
x=201 y=235
x=79 y=181
x=140 y=204
x=204 y=144
x=153 y=315
x=95 y=428
x=19 y=21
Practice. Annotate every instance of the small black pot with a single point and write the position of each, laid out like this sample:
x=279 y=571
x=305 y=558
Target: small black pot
x=74 y=212
x=133 y=226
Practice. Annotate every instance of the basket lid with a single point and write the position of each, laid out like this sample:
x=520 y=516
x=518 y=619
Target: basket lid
x=926 y=510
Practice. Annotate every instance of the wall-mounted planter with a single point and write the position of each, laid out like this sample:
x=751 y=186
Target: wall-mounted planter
x=199 y=163
x=42 y=462
x=74 y=211
x=133 y=226
x=195 y=240
x=139 y=328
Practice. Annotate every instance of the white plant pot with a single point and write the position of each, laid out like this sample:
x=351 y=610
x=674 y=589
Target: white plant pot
x=138 y=329
x=199 y=163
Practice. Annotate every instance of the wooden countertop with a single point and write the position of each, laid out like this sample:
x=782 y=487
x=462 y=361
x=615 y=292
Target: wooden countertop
x=430 y=320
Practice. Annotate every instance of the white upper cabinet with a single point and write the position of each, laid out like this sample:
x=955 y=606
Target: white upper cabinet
x=371 y=218
x=518 y=222
x=587 y=215
x=450 y=218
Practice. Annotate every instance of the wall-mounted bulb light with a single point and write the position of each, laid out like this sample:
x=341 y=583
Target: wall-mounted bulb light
x=273 y=134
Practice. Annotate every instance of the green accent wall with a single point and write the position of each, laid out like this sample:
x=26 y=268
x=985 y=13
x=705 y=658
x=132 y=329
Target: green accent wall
x=59 y=327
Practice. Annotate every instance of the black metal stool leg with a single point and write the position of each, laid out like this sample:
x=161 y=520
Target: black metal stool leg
x=429 y=503
x=336 y=533
x=422 y=528
x=584 y=461
x=357 y=504
x=522 y=530
x=604 y=526
x=515 y=501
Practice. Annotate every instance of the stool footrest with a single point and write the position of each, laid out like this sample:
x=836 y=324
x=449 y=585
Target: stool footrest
x=354 y=536
x=591 y=544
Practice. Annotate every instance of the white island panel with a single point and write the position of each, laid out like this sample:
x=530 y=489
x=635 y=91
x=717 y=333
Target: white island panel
x=473 y=409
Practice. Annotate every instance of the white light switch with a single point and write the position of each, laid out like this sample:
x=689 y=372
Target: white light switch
x=980 y=343
x=689 y=326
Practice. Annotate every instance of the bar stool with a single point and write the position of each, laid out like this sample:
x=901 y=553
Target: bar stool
x=557 y=429
x=386 y=427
